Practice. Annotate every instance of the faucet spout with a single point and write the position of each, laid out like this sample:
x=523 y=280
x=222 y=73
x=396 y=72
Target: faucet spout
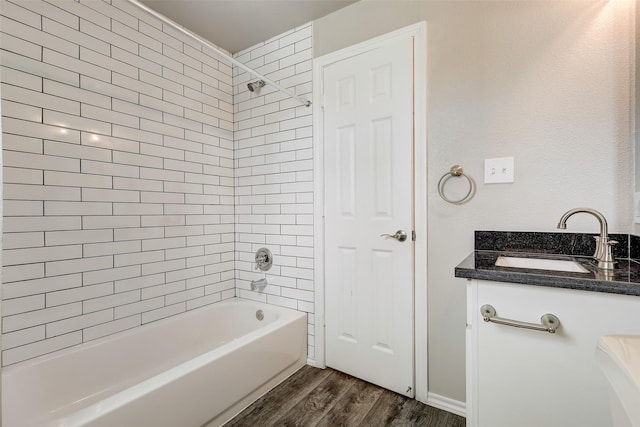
x=603 y=252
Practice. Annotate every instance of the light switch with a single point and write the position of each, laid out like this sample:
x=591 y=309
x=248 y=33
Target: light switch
x=498 y=171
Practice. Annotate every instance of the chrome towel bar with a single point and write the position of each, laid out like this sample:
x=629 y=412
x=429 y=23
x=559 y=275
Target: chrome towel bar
x=549 y=322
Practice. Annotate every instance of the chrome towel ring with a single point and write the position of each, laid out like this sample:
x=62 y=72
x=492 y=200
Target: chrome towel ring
x=456 y=171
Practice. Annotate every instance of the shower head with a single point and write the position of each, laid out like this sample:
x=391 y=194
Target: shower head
x=255 y=85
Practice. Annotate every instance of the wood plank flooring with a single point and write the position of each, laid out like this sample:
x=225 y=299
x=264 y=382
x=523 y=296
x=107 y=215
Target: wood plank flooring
x=328 y=398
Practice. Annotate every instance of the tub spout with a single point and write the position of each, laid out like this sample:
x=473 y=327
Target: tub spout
x=603 y=253
x=258 y=285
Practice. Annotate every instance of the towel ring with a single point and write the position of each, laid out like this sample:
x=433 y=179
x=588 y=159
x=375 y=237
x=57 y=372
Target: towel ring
x=456 y=170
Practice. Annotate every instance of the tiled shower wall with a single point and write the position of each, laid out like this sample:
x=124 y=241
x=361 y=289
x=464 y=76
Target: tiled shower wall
x=118 y=177
x=274 y=173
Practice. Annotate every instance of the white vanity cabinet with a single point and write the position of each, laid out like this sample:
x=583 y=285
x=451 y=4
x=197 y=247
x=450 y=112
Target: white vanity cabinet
x=526 y=378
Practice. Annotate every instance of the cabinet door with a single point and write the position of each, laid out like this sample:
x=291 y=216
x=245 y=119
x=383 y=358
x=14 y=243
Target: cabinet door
x=530 y=378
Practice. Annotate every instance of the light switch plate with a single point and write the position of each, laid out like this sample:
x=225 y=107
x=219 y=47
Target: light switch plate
x=497 y=171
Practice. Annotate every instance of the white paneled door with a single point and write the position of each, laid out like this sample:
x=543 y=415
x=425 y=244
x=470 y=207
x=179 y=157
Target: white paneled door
x=368 y=170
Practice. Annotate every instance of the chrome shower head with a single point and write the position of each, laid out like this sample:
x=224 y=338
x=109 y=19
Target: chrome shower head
x=255 y=85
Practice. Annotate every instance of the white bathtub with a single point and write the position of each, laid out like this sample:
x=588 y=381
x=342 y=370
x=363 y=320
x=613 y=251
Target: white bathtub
x=202 y=367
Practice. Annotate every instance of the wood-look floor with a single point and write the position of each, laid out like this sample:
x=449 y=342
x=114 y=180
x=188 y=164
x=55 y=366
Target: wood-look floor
x=328 y=398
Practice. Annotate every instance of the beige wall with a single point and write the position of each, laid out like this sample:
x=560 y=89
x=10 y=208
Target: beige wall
x=545 y=82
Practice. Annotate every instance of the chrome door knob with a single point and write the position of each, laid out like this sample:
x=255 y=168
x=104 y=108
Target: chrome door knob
x=400 y=235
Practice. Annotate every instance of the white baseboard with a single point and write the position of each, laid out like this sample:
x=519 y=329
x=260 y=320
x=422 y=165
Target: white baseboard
x=447 y=404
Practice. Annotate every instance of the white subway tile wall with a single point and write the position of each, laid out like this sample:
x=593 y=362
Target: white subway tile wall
x=274 y=173
x=118 y=173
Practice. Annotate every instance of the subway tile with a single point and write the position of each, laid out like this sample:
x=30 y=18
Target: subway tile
x=22 y=305
x=22 y=272
x=137 y=209
x=39 y=317
x=109 y=275
x=119 y=221
x=22 y=240
x=78 y=323
x=51 y=11
x=78 y=294
x=20 y=224
x=76 y=65
x=21 y=79
x=109 y=169
x=104 y=143
x=138 y=307
x=39 y=161
x=109 y=116
x=137 y=159
x=157 y=197
x=67 y=179
x=139 y=282
x=39 y=348
x=36 y=130
x=38 y=68
x=162 y=220
x=136 y=110
x=186 y=273
x=111 y=248
x=107 y=36
x=159 y=104
x=68 y=121
x=57 y=238
x=164 y=266
x=136 y=184
x=40 y=286
x=115 y=90
x=101 y=195
x=21 y=14
x=135 y=60
x=110 y=328
x=206 y=300
x=57 y=268
x=83 y=11
x=35 y=255
x=96 y=58
x=162 y=175
x=120 y=260
x=137 y=134
x=164 y=289
x=184 y=296
x=32 y=38
x=133 y=34
x=23 y=337
x=22 y=176
x=158 y=151
x=109 y=301
x=138 y=233
x=161 y=313
x=181 y=101
x=113 y=10
x=61 y=149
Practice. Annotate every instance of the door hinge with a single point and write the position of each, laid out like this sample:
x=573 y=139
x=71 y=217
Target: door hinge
x=413 y=235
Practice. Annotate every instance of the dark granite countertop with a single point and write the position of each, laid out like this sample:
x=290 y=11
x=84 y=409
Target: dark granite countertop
x=481 y=263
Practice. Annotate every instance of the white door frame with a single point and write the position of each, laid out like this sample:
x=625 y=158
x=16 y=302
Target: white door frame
x=419 y=32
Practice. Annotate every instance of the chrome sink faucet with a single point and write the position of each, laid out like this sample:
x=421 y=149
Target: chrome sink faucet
x=603 y=253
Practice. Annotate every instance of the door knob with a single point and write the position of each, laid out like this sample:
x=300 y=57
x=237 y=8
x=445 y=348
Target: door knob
x=400 y=235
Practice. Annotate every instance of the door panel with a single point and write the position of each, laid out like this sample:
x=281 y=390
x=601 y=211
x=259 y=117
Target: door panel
x=368 y=142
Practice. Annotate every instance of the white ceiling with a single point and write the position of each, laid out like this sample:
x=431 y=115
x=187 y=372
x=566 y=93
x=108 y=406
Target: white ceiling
x=235 y=25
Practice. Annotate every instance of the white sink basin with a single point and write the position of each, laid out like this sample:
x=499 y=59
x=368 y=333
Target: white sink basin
x=540 y=264
x=619 y=359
